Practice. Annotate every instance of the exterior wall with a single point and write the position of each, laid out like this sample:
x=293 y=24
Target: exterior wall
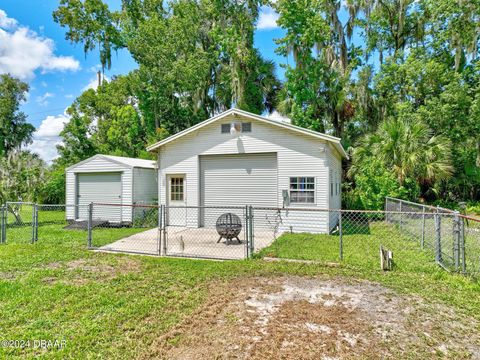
x=144 y=186
x=335 y=181
x=99 y=165
x=297 y=155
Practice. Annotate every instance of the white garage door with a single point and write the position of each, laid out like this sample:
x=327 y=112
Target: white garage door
x=100 y=188
x=239 y=180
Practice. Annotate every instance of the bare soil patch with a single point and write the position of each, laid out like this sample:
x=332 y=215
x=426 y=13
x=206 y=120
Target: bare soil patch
x=84 y=270
x=313 y=318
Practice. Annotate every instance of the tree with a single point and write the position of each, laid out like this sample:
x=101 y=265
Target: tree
x=407 y=148
x=14 y=130
x=21 y=177
x=195 y=58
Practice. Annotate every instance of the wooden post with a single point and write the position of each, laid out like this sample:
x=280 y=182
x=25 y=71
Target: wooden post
x=386 y=259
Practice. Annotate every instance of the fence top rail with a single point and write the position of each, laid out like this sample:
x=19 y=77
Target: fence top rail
x=293 y=209
x=19 y=203
x=127 y=205
x=420 y=205
x=467 y=217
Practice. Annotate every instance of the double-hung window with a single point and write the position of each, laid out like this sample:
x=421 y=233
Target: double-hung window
x=302 y=190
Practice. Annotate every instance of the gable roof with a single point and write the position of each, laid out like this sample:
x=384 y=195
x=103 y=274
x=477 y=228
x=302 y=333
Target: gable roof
x=332 y=139
x=129 y=162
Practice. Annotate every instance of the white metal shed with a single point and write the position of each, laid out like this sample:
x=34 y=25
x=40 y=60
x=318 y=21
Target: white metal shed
x=110 y=180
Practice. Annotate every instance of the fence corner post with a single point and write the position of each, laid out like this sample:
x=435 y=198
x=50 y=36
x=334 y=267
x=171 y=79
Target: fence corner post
x=89 y=225
x=340 y=229
x=438 y=238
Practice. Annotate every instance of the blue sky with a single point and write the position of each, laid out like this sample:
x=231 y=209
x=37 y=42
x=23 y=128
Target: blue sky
x=33 y=48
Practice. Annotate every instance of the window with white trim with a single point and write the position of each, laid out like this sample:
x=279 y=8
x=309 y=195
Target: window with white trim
x=302 y=190
x=176 y=189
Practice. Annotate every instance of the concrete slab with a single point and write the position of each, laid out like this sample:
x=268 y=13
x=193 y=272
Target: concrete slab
x=190 y=242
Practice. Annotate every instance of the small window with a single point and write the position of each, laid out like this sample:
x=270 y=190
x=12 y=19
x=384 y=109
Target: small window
x=225 y=128
x=176 y=189
x=247 y=127
x=302 y=190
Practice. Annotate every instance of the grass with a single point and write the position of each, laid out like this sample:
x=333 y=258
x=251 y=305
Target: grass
x=115 y=306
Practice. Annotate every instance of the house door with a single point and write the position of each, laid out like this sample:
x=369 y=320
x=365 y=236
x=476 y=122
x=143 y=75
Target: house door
x=176 y=200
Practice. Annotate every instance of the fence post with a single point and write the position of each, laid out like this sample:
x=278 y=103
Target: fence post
x=456 y=241
x=164 y=222
x=247 y=240
x=2 y=224
x=462 y=245
x=401 y=216
x=250 y=228
x=160 y=228
x=340 y=229
x=438 y=238
x=5 y=224
x=422 y=240
x=36 y=222
x=33 y=223
x=89 y=225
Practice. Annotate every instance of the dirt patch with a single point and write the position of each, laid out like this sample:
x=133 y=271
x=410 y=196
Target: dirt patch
x=82 y=271
x=294 y=317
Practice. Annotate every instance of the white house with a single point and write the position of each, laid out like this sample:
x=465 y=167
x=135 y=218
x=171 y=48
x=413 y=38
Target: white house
x=110 y=180
x=237 y=158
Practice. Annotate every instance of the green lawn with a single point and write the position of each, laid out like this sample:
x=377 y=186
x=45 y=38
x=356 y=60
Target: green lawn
x=115 y=306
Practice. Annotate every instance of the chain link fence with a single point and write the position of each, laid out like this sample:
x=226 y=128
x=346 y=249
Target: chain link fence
x=453 y=238
x=418 y=236
x=124 y=228
x=206 y=232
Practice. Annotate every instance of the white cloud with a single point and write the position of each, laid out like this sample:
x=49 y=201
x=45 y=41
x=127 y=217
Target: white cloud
x=267 y=19
x=5 y=21
x=93 y=84
x=23 y=51
x=47 y=136
x=43 y=100
x=275 y=115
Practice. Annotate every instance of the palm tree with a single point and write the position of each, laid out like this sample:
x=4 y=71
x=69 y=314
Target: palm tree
x=407 y=148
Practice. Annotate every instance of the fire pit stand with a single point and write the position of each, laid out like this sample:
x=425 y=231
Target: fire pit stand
x=229 y=227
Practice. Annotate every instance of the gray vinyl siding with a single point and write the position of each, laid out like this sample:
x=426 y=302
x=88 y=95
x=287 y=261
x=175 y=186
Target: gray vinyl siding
x=144 y=186
x=297 y=155
x=335 y=178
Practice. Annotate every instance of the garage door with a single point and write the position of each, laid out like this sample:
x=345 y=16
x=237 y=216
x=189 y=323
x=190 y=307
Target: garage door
x=239 y=180
x=100 y=188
